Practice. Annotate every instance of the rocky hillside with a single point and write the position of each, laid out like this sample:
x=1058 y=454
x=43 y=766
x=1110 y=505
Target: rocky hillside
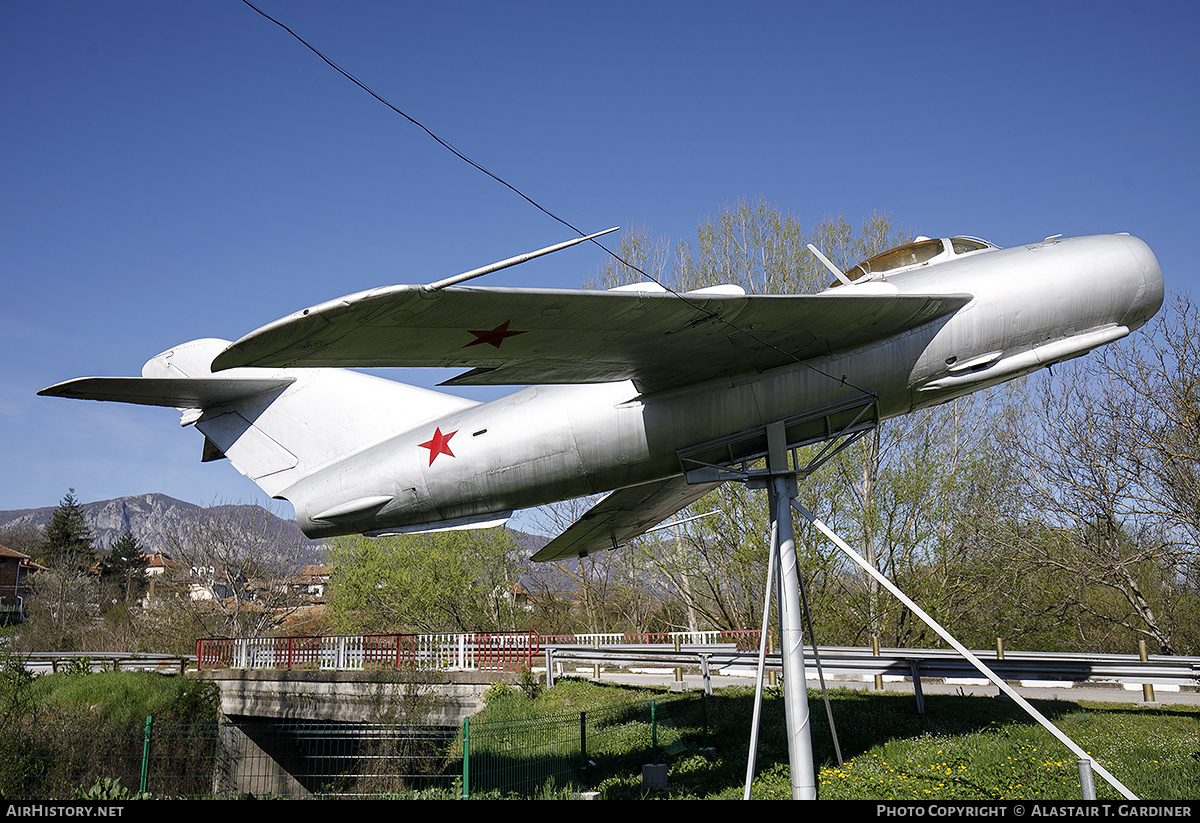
x=147 y=515
x=144 y=516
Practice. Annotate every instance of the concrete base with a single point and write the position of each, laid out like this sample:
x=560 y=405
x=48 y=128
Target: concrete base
x=654 y=776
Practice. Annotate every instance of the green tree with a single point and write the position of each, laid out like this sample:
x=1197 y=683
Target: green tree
x=64 y=594
x=439 y=581
x=125 y=567
x=67 y=538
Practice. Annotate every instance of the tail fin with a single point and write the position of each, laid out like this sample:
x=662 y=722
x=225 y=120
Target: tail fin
x=276 y=426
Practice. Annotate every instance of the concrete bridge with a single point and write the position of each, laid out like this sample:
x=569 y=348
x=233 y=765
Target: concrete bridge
x=438 y=697
x=386 y=678
x=272 y=718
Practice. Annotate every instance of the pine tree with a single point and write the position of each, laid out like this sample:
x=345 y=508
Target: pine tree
x=67 y=538
x=126 y=565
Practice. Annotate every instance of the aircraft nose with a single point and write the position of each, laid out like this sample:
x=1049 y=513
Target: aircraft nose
x=1145 y=271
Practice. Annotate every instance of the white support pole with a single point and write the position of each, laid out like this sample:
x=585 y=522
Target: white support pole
x=961 y=649
x=752 y=759
x=795 y=686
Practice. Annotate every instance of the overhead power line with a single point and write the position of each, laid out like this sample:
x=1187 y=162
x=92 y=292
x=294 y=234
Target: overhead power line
x=444 y=144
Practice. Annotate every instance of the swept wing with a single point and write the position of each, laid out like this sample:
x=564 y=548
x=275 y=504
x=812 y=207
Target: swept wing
x=546 y=336
x=622 y=516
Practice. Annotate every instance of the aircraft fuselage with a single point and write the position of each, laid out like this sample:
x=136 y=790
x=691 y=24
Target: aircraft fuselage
x=1031 y=306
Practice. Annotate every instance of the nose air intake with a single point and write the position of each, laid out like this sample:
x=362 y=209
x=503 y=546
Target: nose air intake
x=1150 y=295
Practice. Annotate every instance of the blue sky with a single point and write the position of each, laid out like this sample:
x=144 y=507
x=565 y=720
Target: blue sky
x=182 y=170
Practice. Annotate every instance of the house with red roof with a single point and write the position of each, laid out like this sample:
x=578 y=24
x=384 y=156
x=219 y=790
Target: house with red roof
x=15 y=569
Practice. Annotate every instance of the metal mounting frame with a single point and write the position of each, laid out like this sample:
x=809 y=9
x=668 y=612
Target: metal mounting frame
x=779 y=478
x=768 y=457
x=837 y=425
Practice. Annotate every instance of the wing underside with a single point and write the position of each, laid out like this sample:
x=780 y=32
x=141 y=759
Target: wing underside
x=622 y=516
x=659 y=341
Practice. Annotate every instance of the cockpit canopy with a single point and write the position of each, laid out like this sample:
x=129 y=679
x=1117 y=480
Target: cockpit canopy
x=921 y=252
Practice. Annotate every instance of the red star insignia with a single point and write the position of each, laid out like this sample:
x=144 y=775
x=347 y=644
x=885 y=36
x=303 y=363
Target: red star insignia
x=493 y=337
x=439 y=444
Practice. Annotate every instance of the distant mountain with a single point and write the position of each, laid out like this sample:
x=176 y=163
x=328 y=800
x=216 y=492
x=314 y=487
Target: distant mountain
x=144 y=516
x=147 y=515
x=531 y=543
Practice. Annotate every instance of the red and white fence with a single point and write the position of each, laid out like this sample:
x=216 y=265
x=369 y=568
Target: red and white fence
x=504 y=651
x=485 y=651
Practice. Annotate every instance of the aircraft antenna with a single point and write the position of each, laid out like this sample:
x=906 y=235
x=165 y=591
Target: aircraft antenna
x=827 y=263
x=512 y=261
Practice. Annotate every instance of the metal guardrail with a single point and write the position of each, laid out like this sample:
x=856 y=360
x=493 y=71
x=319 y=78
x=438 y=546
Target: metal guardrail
x=513 y=651
x=745 y=639
x=50 y=662
x=1022 y=666
x=858 y=663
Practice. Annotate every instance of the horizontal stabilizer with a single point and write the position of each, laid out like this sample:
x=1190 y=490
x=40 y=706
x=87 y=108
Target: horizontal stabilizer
x=277 y=428
x=174 y=392
x=622 y=516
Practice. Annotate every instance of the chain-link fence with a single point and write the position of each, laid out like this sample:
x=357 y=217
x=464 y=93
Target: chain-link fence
x=48 y=761
x=240 y=757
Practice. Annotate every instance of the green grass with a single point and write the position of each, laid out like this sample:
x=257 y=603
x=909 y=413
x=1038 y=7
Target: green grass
x=1152 y=752
x=69 y=732
x=961 y=748
x=124 y=697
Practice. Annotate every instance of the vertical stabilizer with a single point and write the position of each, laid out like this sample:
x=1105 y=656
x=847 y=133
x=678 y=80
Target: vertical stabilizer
x=276 y=426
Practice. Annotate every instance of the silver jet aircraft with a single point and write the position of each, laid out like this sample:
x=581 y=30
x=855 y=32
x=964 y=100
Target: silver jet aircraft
x=645 y=393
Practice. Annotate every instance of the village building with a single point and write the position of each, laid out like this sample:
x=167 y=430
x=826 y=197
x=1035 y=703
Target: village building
x=15 y=569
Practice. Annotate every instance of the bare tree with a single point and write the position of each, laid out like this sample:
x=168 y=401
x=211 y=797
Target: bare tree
x=581 y=585
x=234 y=571
x=60 y=610
x=1149 y=388
x=1110 y=457
x=25 y=538
x=905 y=492
x=719 y=566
